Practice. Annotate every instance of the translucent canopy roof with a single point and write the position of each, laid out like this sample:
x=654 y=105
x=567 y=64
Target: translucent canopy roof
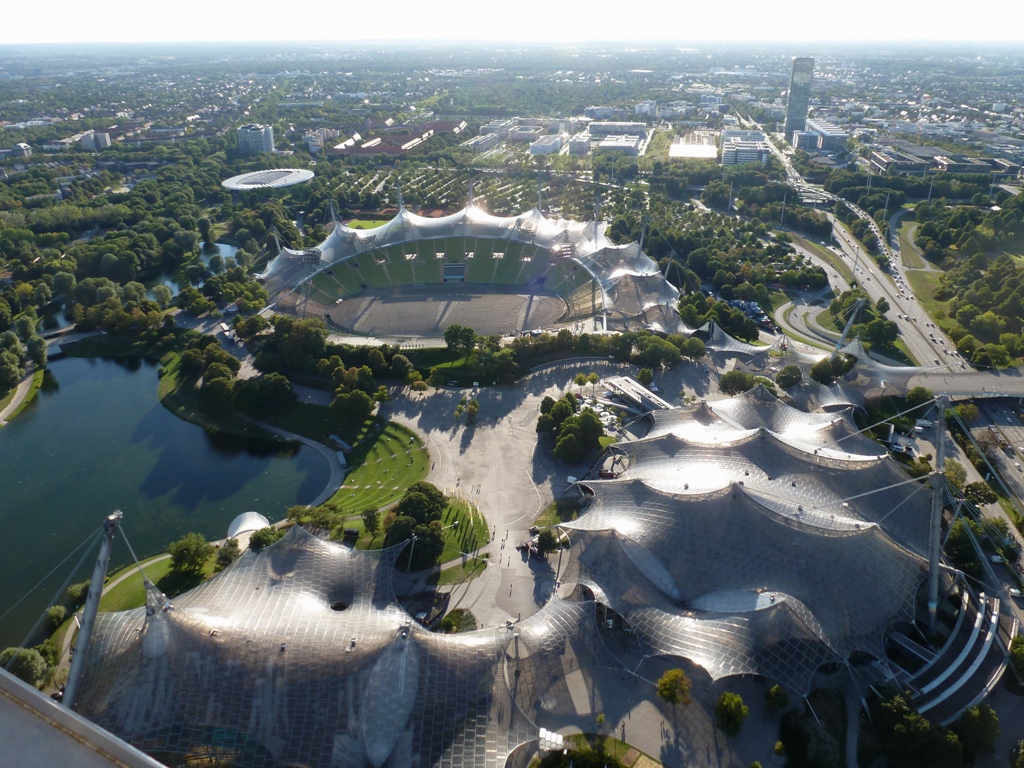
x=298 y=654
x=738 y=535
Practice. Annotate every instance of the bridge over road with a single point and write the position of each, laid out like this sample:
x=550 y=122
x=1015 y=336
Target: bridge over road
x=1000 y=383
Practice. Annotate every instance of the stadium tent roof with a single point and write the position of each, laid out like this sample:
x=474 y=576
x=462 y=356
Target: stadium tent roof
x=738 y=533
x=298 y=654
x=630 y=281
x=273 y=178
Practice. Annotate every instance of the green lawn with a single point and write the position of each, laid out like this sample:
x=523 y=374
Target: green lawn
x=467 y=571
x=558 y=511
x=386 y=460
x=364 y=224
x=471 y=534
x=130 y=593
x=911 y=258
x=924 y=284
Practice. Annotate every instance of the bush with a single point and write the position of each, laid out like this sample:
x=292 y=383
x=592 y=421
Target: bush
x=459 y=620
x=776 y=698
x=789 y=376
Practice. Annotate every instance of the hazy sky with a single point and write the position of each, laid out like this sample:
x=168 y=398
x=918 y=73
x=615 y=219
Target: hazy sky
x=682 y=20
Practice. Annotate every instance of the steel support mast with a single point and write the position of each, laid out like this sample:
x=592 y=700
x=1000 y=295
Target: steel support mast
x=92 y=606
x=938 y=481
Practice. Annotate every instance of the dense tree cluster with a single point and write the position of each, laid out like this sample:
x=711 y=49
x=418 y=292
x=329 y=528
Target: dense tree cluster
x=871 y=325
x=985 y=314
x=576 y=432
x=910 y=739
x=735 y=382
x=417 y=514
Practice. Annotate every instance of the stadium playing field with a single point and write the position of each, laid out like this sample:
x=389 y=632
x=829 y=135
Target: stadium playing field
x=426 y=310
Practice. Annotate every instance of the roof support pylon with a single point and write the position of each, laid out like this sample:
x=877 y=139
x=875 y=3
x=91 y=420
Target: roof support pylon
x=938 y=481
x=92 y=606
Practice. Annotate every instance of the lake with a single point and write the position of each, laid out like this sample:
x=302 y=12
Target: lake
x=97 y=439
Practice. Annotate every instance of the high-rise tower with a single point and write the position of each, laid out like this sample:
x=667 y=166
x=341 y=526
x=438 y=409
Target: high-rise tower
x=253 y=139
x=799 y=95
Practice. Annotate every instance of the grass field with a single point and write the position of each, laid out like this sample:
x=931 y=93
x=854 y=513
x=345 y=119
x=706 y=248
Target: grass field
x=470 y=568
x=364 y=224
x=924 y=285
x=386 y=460
x=131 y=592
x=908 y=251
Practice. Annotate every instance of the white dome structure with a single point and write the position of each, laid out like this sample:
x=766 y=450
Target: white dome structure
x=247 y=522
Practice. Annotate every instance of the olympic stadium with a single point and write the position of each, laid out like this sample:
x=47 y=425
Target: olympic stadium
x=414 y=276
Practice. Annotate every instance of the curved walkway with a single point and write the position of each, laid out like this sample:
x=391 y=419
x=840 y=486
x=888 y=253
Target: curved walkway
x=20 y=394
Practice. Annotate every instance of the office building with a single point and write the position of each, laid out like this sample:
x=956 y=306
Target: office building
x=799 y=95
x=253 y=139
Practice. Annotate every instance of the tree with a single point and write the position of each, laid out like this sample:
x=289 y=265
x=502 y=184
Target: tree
x=956 y=473
x=645 y=376
x=37 y=351
x=919 y=396
x=459 y=339
x=674 y=687
x=580 y=381
x=980 y=493
x=190 y=553
x=55 y=616
x=730 y=712
x=351 y=409
x=227 y=554
x=1017 y=755
x=735 y=382
x=789 y=376
x=592 y=379
x=76 y=594
x=977 y=729
x=569 y=450
x=264 y=537
x=401 y=367
x=776 y=698
x=547 y=541
x=822 y=371
x=26 y=664
x=371 y=520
